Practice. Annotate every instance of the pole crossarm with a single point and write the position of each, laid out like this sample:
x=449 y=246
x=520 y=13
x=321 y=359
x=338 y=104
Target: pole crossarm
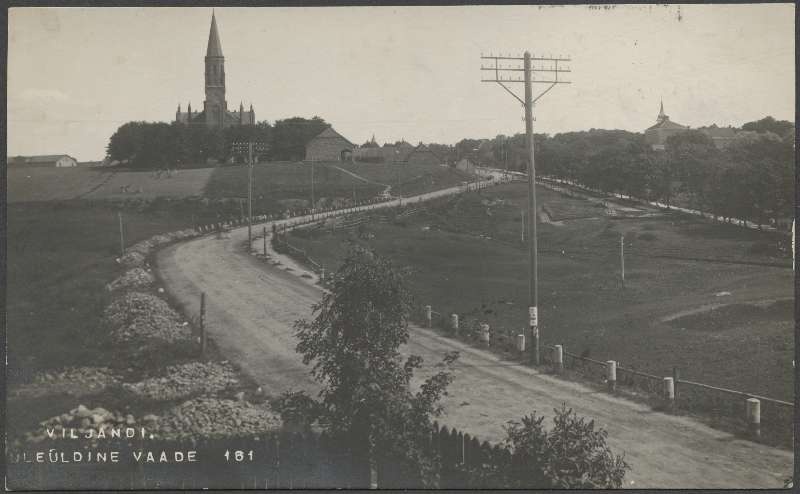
x=552 y=69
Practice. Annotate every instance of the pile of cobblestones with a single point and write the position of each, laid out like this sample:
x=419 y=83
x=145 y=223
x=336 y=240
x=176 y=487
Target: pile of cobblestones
x=136 y=255
x=185 y=380
x=76 y=381
x=133 y=279
x=137 y=315
x=211 y=417
x=86 y=423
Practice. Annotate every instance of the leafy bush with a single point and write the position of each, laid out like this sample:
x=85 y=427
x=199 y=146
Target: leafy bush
x=573 y=455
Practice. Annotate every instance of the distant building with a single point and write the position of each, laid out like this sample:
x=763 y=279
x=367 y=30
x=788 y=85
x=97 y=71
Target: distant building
x=657 y=135
x=51 y=161
x=422 y=155
x=329 y=145
x=465 y=165
x=215 y=112
x=397 y=152
x=722 y=136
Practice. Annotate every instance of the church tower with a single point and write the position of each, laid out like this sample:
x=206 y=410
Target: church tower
x=215 y=112
x=215 y=106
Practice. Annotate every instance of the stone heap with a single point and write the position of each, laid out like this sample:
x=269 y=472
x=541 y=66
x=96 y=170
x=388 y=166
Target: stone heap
x=82 y=420
x=133 y=279
x=136 y=315
x=185 y=380
x=136 y=255
x=211 y=417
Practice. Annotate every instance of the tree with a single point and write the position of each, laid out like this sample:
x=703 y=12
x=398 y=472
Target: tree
x=366 y=403
x=768 y=124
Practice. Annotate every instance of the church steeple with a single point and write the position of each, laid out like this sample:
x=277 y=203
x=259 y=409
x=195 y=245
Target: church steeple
x=661 y=115
x=215 y=105
x=214 y=46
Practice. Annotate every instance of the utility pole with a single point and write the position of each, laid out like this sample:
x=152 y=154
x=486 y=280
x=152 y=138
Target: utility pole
x=622 y=256
x=250 y=146
x=312 y=188
x=529 y=71
x=121 y=235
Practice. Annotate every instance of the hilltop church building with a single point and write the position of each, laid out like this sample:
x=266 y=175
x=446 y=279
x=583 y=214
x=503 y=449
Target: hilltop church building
x=215 y=112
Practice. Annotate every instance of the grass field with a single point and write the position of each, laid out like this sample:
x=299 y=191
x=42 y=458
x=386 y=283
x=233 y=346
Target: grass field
x=60 y=256
x=272 y=182
x=289 y=181
x=687 y=300
x=408 y=179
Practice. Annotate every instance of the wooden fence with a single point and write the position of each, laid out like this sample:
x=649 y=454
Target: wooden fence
x=274 y=460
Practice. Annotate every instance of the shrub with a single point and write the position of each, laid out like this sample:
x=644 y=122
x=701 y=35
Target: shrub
x=572 y=456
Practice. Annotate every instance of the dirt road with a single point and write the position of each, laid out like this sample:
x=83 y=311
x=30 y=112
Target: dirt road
x=252 y=305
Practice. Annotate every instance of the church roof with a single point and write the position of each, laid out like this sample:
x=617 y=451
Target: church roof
x=667 y=124
x=214 y=46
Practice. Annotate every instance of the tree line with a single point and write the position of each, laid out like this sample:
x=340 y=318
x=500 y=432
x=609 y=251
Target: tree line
x=159 y=145
x=751 y=178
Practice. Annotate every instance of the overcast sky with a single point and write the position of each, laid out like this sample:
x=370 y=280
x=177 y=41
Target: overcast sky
x=76 y=74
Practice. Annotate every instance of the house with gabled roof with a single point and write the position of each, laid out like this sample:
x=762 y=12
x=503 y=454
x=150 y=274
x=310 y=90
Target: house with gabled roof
x=49 y=160
x=329 y=145
x=422 y=155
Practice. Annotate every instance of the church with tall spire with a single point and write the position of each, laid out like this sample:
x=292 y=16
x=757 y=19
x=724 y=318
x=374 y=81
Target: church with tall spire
x=656 y=136
x=215 y=112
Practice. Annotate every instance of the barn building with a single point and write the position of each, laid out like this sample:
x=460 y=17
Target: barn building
x=46 y=161
x=422 y=155
x=657 y=135
x=329 y=145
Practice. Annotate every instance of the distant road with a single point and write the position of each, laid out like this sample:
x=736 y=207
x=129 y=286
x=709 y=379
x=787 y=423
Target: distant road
x=253 y=304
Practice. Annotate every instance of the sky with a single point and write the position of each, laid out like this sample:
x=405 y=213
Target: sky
x=76 y=74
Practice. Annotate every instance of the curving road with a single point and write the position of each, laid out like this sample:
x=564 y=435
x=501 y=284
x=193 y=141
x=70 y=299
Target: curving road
x=251 y=305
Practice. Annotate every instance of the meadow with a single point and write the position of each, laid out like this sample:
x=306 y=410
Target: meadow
x=713 y=300
x=60 y=257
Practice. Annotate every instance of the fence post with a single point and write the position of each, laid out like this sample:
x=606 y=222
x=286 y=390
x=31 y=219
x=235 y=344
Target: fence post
x=611 y=375
x=265 y=240
x=558 y=359
x=454 y=322
x=675 y=376
x=754 y=417
x=428 y=315
x=521 y=343
x=669 y=393
x=322 y=273
x=485 y=333
x=203 y=324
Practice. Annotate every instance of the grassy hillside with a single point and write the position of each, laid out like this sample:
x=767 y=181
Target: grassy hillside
x=408 y=179
x=465 y=256
x=288 y=181
x=60 y=256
